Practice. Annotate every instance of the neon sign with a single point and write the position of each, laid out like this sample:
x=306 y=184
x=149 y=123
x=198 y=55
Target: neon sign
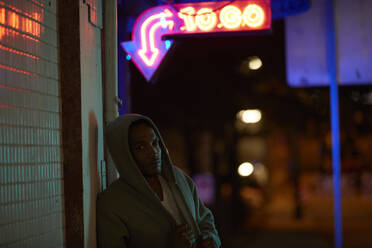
x=147 y=48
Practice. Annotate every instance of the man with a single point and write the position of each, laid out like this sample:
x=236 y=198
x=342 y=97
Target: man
x=153 y=203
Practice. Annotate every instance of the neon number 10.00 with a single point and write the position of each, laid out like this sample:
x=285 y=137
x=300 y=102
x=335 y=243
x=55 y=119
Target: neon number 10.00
x=230 y=17
x=155 y=28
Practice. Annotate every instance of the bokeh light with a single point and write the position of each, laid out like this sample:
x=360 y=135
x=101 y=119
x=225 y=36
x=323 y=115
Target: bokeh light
x=254 y=63
x=250 y=115
x=245 y=169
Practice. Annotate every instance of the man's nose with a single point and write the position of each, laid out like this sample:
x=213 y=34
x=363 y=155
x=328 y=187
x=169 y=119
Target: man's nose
x=153 y=152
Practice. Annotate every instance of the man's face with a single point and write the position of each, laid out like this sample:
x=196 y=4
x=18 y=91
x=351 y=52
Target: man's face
x=145 y=148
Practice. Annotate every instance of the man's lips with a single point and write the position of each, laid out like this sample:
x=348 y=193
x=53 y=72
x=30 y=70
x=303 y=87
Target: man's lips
x=156 y=162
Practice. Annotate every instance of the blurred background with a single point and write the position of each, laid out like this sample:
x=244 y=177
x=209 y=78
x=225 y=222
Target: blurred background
x=265 y=172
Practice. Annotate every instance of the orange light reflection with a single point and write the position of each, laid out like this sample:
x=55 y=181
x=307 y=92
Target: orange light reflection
x=8 y=106
x=19 y=22
x=18 y=52
x=14 y=20
x=9 y=32
x=38 y=3
x=17 y=70
x=2 y=21
x=2 y=32
x=2 y=15
x=22 y=12
x=14 y=88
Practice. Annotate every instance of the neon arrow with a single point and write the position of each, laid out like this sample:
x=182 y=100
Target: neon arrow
x=149 y=40
x=147 y=48
x=149 y=57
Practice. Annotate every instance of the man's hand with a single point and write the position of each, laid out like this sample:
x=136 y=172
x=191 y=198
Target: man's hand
x=182 y=237
x=205 y=241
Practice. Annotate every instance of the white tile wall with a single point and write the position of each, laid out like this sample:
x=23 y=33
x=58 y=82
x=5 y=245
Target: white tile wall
x=31 y=180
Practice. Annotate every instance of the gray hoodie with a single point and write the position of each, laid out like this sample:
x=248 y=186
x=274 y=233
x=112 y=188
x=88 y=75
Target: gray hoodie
x=129 y=214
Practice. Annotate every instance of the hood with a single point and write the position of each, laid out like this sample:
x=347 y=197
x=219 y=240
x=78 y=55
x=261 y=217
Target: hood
x=117 y=140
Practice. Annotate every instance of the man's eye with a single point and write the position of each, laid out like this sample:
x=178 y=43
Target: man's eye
x=140 y=147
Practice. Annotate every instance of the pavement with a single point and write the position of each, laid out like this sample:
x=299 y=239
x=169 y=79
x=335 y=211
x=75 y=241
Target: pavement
x=270 y=239
x=294 y=239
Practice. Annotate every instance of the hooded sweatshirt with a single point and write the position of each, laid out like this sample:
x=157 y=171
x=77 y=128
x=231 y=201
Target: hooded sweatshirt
x=129 y=214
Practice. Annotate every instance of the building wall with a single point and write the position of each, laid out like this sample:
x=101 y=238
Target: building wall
x=91 y=112
x=31 y=180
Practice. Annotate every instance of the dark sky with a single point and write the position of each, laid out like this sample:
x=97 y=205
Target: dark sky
x=201 y=78
x=200 y=84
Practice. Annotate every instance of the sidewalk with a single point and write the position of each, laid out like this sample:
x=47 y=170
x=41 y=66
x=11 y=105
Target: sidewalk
x=270 y=239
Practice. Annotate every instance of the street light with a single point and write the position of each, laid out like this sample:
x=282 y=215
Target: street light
x=250 y=115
